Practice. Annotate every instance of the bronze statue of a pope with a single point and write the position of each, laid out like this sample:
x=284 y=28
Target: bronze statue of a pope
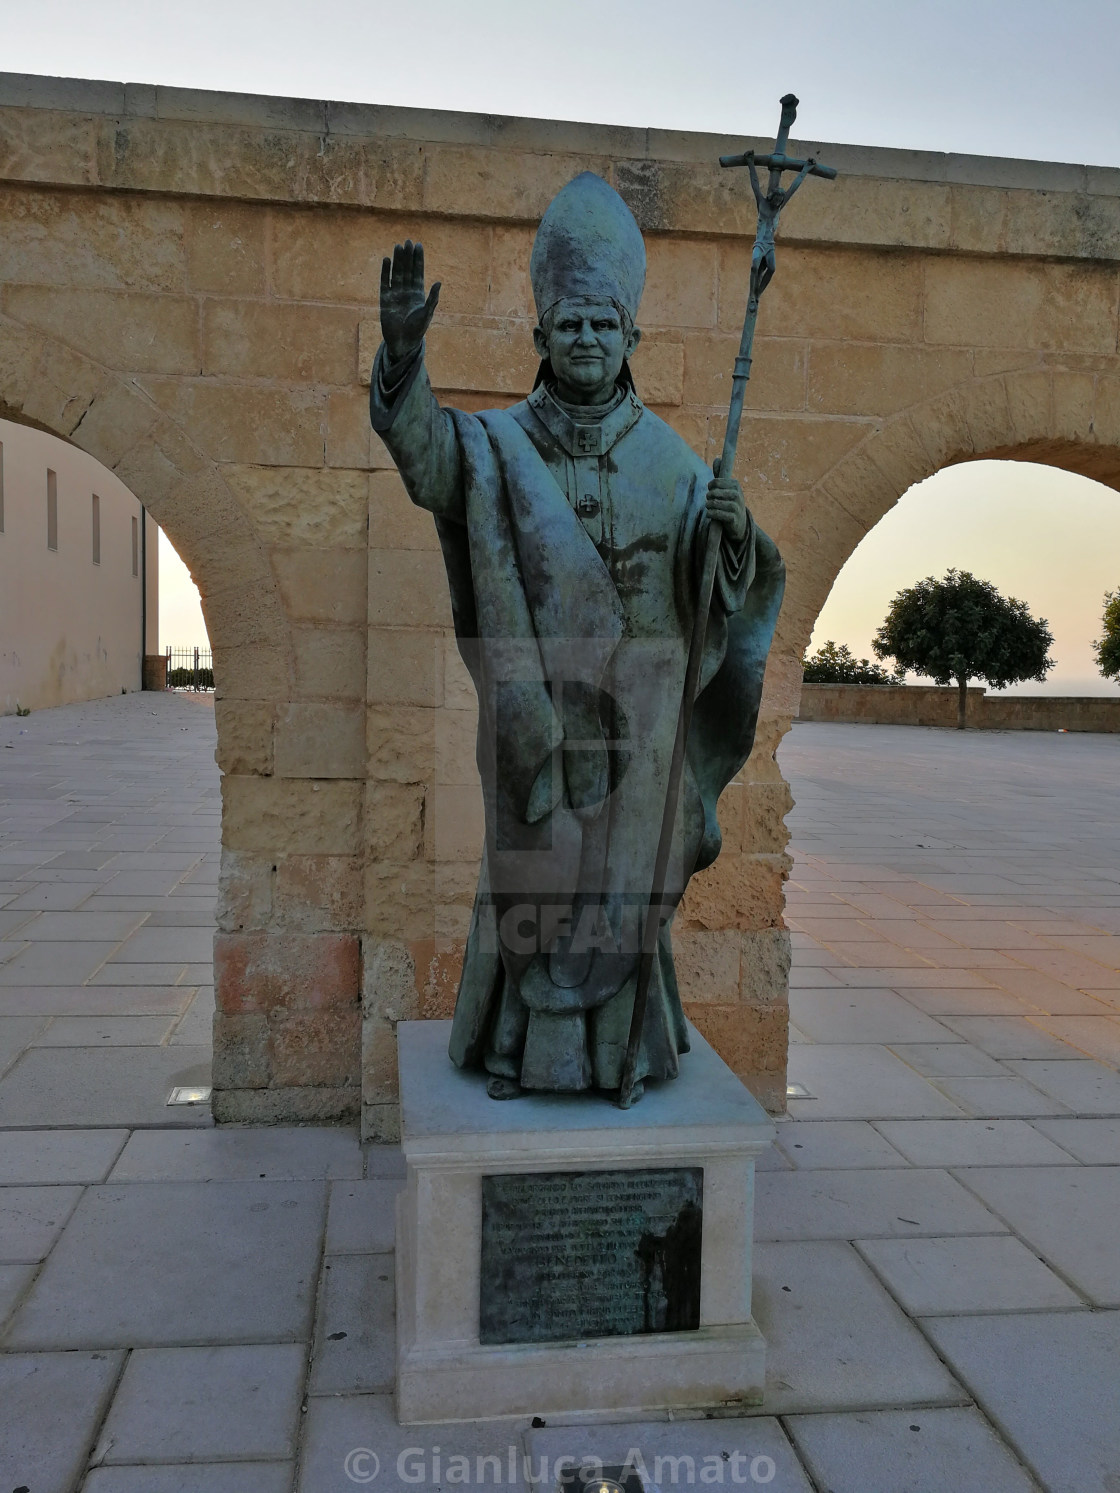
x=573 y=527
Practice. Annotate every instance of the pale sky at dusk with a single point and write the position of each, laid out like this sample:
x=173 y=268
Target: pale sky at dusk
x=180 y=615
x=1047 y=537
x=988 y=77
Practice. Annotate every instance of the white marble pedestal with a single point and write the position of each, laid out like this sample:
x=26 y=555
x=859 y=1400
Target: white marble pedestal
x=453 y=1134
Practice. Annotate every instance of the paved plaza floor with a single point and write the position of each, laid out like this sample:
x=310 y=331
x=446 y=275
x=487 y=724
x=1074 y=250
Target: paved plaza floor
x=185 y=1309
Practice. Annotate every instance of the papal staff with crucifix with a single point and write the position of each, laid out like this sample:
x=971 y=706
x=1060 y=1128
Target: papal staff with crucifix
x=614 y=602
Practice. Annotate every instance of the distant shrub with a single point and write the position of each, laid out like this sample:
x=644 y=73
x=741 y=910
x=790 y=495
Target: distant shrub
x=189 y=679
x=834 y=663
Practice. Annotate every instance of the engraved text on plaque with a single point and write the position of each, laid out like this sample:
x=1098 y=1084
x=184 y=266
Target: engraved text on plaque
x=590 y=1254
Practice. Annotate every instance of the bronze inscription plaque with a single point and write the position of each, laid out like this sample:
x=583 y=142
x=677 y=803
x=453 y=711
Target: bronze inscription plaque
x=590 y=1254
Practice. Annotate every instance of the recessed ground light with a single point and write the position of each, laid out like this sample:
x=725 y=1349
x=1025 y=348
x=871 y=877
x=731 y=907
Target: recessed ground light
x=612 y=1480
x=798 y=1091
x=198 y=1095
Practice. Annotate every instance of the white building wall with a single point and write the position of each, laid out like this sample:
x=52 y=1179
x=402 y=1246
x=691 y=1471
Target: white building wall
x=70 y=629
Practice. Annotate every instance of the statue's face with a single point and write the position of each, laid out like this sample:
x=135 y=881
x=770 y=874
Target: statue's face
x=587 y=343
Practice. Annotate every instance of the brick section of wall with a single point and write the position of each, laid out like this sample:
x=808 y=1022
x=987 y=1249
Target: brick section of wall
x=201 y=315
x=290 y=1011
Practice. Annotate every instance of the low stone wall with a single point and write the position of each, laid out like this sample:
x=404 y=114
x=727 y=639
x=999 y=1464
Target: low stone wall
x=932 y=705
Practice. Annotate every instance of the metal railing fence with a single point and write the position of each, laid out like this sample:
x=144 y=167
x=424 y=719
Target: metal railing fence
x=190 y=668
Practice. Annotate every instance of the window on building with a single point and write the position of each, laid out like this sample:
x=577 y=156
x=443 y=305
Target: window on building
x=135 y=546
x=96 y=530
x=52 y=510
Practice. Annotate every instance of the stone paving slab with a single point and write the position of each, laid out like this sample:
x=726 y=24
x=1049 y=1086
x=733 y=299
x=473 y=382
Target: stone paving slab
x=850 y=1203
x=148 y=974
x=903 y=979
x=835 y=1339
x=355 y=1341
x=105 y=1031
x=947 y=1060
x=1096 y=1036
x=347 y=1437
x=14 y=1280
x=813 y=1145
x=967 y=1000
x=178 y=1405
x=169 y=1264
x=908 y=1452
x=862 y=1083
x=954 y=1276
x=144 y=884
x=1093 y=1141
x=31 y=1219
x=999 y=1098
x=276 y=1154
x=1068 y=1214
x=1043 y=994
x=173 y=914
x=101 y=1086
x=195 y=1028
x=1080 y=1085
x=46 y=896
x=877 y=1016
x=52 y=1407
x=1008 y=1036
x=79 y=927
x=1050 y=1383
x=100 y=1000
x=55 y=963
x=751 y=1452
x=942 y=1143
x=384 y=1161
x=362 y=1218
x=166 y=946
x=17 y=1033
x=229 y=1477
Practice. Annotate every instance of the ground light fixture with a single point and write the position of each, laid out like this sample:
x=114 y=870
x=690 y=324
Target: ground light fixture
x=611 y=1480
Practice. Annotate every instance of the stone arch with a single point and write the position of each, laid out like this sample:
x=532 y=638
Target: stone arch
x=275 y=1053
x=1058 y=416
x=47 y=384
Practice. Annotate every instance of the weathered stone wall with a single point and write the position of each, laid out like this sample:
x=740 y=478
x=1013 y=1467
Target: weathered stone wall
x=188 y=288
x=932 y=705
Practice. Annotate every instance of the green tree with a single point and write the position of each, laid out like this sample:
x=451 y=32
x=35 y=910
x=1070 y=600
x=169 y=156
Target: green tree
x=960 y=628
x=1107 y=647
x=834 y=663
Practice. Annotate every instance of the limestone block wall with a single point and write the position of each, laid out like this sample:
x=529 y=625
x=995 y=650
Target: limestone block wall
x=931 y=705
x=188 y=287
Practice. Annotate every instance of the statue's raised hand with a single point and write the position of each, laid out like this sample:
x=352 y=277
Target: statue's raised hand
x=405 y=312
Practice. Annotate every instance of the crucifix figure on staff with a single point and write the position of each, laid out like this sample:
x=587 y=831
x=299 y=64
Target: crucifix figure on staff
x=771 y=202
